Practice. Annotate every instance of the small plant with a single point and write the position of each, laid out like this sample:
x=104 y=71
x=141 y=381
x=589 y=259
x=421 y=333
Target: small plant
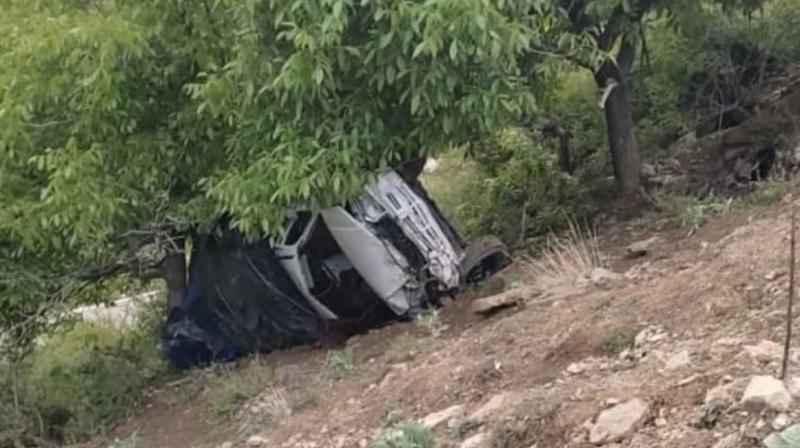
x=131 y=441
x=567 y=259
x=236 y=387
x=338 y=363
x=431 y=321
x=622 y=339
x=404 y=348
x=691 y=212
x=772 y=190
x=407 y=435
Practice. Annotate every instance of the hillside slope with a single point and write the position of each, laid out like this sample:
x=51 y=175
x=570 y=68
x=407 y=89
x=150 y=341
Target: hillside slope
x=675 y=324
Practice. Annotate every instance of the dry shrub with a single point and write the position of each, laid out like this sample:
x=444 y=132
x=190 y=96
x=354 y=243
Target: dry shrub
x=566 y=259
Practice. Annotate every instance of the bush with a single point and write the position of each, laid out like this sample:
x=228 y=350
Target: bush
x=407 y=435
x=82 y=378
x=338 y=363
x=77 y=380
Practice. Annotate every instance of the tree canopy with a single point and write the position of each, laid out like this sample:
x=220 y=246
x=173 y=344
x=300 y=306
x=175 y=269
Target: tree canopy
x=126 y=124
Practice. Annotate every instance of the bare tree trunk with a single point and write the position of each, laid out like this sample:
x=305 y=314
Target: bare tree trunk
x=174 y=272
x=619 y=121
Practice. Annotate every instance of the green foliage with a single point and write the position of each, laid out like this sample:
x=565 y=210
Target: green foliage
x=338 y=363
x=407 y=435
x=516 y=169
x=691 y=212
x=768 y=192
x=83 y=377
x=236 y=386
x=622 y=339
x=431 y=321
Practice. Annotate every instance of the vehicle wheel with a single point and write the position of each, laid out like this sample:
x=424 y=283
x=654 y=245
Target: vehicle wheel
x=484 y=257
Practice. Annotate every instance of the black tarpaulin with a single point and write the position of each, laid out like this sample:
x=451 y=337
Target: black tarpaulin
x=239 y=300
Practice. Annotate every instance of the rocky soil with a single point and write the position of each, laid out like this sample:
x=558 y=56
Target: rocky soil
x=676 y=343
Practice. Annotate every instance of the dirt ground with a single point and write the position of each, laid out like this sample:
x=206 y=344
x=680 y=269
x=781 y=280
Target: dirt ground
x=552 y=365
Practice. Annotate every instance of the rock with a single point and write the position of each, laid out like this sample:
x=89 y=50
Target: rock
x=765 y=351
x=480 y=440
x=495 y=404
x=434 y=420
x=728 y=342
x=603 y=277
x=730 y=441
x=492 y=304
x=576 y=368
x=725 y=394
x=648 y=170
x=226 y=445
x=640 y=248
x=766 y=392
x=651 y=335
x=794 y=387
x=257 y=441
x=614 y=423
x=780 y=421
x=678 y=361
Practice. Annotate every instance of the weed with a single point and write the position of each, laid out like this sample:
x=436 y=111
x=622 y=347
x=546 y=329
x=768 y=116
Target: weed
x=431 y=321
x=407 y=435
x=338 y=363
x=236 y=387
x=691 y=212
x=131 y=441
x=768 y=192
x=404 y=349
x=513 y=284
x=567 y=258
x=622 y=339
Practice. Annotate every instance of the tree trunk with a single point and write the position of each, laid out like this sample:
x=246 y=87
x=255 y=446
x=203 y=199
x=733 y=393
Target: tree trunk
x=174 y=270
x=619 y=121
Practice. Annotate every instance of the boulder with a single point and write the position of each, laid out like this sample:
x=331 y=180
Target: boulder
x=480 y=440
x=495 y=405
x=730 y=441
x=640 y=248
x=766 y=392
x=436 y=419
x=615 y=423
x=678 y=361
x=765 y=351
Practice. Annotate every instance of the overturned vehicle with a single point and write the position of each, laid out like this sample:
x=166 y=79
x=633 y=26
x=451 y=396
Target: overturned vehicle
x=385 y=256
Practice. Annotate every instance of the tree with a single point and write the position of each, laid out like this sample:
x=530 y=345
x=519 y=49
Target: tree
x=615 y=30
x=126 y=126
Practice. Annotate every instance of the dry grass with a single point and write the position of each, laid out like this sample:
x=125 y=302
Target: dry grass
x=566 y=258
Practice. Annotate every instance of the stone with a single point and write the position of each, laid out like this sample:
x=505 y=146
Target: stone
x=257 y=441
x=226 y=445
x=640 y=248
x=615 y=423
x=730 y=441
x=678 y=361
x=603 y=277
x=765 y=351
x=780 y=422
x=495 y=404
x=480 y=440
x=492 y=304
x=725 y=394
x=794 y=387
x=651 y=334
x=576 y=368
x=766 y=392
x=436 y=419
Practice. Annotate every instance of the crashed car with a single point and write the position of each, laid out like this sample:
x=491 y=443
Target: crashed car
x=384 y=256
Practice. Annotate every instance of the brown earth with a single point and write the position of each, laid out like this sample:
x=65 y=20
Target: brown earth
x=709 y=294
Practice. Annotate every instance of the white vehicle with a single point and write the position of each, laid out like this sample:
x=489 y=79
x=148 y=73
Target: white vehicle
x=390 y=246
